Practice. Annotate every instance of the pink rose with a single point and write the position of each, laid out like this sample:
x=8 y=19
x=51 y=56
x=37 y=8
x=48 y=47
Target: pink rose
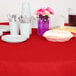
x=45 y=11
x=40 y=11
x=50 y=10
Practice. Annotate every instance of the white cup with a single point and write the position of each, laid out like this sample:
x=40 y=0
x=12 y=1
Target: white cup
x=14 y=28
x=25 y=29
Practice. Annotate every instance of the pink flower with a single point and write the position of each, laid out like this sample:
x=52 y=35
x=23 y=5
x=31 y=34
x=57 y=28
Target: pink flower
x=50 y=10
x=45 y=11
x=39 y=12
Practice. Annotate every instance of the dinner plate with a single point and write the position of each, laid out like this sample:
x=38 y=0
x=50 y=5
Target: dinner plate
x=4 y=28
x=13 y=38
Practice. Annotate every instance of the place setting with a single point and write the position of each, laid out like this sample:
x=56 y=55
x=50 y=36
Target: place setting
x=19 y=27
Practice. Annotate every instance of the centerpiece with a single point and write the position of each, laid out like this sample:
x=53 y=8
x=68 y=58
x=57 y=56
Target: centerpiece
x=43 y=19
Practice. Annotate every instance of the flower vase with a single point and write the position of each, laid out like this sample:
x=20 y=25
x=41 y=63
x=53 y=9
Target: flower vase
x=43 y=24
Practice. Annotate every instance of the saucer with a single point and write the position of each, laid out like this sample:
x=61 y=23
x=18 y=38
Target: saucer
x=13 y=38
x=4 y=28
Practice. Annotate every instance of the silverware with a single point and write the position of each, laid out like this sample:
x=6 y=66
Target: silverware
x=12 y=18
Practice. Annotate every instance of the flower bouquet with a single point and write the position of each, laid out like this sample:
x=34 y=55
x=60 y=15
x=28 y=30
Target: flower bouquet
x=43 y=19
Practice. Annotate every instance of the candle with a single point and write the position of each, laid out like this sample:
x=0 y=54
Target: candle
x=26 y=10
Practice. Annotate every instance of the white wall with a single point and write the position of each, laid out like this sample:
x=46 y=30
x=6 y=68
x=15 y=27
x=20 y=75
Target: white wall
x=14 y=6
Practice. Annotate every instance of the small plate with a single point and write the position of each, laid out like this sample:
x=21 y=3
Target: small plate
x=13 y=38
x=4 y=28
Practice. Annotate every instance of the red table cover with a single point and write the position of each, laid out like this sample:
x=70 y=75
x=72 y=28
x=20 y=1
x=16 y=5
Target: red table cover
x=38 y=57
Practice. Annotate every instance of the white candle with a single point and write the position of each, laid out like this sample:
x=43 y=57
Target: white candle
x=26 y=10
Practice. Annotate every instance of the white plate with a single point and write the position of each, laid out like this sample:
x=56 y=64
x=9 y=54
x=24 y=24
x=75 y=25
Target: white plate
x=58 y=35
x=13 y=38
x=4 y=28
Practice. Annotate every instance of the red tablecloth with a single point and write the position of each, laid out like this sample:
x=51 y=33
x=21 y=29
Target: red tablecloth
x=38 y=57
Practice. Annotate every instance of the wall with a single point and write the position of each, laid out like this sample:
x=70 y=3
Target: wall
x=14 y=7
